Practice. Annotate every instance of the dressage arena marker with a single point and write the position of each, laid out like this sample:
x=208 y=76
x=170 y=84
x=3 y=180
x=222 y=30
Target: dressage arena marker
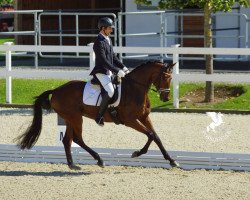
x=122 y=157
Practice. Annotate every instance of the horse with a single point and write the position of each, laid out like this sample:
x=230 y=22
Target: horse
x=133 y=110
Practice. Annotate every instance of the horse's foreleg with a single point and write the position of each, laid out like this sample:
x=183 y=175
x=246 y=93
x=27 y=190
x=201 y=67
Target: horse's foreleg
x=67 y=141
x=147 y=122
x=165 y=154
x=145 y=126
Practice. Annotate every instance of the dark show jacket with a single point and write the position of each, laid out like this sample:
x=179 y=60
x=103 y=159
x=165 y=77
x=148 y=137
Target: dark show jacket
x=105 y=58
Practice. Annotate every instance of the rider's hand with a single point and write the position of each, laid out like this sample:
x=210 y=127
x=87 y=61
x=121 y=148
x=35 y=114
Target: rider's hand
x=126 y=70
x=121 y=73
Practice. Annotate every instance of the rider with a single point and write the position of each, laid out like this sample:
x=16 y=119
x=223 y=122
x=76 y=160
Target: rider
x=106 y=63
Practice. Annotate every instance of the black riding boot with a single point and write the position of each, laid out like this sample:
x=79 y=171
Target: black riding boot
x=102 y=109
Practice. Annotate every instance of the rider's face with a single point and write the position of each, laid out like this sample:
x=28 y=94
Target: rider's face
x=107 y=30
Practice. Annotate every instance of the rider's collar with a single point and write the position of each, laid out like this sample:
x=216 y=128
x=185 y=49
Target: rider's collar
x=106 y=37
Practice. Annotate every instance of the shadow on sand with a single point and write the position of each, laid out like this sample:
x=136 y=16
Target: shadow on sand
x=20 y=111
x=46 y=174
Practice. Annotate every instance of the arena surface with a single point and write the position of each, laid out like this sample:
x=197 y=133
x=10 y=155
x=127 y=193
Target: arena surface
x=178 y=131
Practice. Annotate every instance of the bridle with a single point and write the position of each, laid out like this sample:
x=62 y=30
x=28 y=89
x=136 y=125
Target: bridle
x=158 y=79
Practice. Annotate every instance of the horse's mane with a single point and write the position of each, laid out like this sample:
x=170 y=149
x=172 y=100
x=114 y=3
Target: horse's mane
x=142 y=65
x=131 y=84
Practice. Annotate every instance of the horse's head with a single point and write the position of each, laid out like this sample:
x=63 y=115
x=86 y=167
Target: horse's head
x=163 y=80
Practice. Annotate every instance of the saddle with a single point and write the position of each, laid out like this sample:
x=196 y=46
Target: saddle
x=94 y=91
x=95 y=81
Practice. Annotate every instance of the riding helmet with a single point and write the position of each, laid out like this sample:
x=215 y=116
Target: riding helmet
x=105 y=22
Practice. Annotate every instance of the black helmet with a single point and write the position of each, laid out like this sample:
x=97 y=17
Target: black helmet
x=105 y=22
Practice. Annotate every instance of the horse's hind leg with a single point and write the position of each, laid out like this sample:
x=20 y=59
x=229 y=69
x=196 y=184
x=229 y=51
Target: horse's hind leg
x=149 y=128
x=77 y=138
x=144 y=149
x=67 y=141
x=139 y=126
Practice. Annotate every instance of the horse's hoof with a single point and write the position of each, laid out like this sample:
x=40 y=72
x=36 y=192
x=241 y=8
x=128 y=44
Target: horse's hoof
x=175 y=164
x=100 y=163
x=135 y=154
x=74 y=167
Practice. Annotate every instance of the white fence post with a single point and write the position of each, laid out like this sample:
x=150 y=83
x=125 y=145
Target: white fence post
x=8 y=77
x=175 y=80
x=91 y=58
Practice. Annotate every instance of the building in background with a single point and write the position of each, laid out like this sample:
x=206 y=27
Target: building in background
x=50 y=24
x=229 y=29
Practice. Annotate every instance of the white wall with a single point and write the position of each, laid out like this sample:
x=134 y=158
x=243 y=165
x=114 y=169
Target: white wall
x=151 y=23
x=144 y=24
x=141 y=24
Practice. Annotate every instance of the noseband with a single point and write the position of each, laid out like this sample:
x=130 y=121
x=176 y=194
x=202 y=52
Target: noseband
x=162 y=90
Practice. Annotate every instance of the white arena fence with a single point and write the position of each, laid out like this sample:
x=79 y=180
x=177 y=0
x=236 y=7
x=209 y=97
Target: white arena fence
x=56 y=154
x=8 y=72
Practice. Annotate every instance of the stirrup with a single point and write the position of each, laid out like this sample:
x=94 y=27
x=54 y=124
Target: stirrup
x=99 y=121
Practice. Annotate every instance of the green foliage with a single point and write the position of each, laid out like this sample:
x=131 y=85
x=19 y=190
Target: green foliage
x=2 y=2
x=216 y=5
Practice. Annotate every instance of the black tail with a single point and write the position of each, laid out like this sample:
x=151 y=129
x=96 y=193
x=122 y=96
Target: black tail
x=31 y=135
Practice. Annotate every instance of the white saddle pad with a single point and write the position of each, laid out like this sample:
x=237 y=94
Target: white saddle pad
x=92 y=92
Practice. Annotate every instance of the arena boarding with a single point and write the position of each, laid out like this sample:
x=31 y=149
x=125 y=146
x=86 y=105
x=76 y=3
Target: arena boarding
x=188 y=160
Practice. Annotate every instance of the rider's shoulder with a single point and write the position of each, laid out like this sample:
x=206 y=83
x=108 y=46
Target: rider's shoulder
x=100 y=38
x=99 y=41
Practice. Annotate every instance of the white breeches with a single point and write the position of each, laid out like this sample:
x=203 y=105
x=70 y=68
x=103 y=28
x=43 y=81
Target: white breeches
x=106 y=83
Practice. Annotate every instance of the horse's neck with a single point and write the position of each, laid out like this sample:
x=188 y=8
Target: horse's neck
x=143 y=76
x=137 y=85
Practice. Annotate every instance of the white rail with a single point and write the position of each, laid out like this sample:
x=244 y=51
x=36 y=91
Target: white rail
x=8 y=72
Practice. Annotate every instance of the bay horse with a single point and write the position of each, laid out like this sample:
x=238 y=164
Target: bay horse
x=133 y=110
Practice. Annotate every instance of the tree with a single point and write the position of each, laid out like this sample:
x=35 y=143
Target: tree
x=209 y=7
x=2 y=2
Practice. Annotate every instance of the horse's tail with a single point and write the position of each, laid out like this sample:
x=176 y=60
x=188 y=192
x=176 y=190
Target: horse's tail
x=31 y=135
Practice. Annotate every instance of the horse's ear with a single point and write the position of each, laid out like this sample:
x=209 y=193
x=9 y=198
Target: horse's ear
x=171 y=66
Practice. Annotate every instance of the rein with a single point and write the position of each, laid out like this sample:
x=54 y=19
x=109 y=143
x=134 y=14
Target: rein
x=138 y=83
x=141 y=84
x=158 y=79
